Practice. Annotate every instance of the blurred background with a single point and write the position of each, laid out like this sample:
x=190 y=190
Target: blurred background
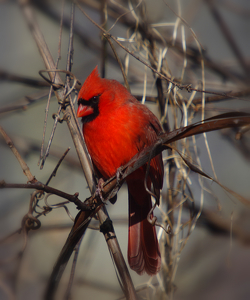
x=204 y=44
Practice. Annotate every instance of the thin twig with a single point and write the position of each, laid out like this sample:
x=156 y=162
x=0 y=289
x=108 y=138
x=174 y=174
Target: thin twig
x=53 y=174
x=188 y=87
x=4 y=75
x=119 y=62
x=47 y=189
x=72 y=273
x=22 y=163
x=51 y=87
x=29 y=100
x=118 y=12
x=225 y=30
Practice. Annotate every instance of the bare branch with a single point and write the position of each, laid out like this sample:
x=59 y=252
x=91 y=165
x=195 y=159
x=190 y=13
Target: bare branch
x=22 y=163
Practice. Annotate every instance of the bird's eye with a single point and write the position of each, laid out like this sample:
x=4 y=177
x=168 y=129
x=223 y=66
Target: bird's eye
x=95 y=99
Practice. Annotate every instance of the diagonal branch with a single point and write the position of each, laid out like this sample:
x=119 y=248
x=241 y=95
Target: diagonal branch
x=22 y=163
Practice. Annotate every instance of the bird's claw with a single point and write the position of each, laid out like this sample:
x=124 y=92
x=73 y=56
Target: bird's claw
x=99 y=189
x=119 y=175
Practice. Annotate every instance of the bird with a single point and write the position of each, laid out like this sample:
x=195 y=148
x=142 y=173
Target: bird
x=116 y=126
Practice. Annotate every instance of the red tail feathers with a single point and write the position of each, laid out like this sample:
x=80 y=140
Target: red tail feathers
x=143 y=248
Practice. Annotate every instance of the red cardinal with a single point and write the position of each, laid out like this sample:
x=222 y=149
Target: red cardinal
x=116 y=127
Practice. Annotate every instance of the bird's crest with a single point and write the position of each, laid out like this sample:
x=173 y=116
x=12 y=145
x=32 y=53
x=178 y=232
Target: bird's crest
x=92 y=85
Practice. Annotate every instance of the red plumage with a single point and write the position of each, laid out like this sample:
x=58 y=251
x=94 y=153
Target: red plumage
x=116 y=127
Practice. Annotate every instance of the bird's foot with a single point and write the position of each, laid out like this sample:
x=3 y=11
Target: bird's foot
x=99 y=189
x=119 y=175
